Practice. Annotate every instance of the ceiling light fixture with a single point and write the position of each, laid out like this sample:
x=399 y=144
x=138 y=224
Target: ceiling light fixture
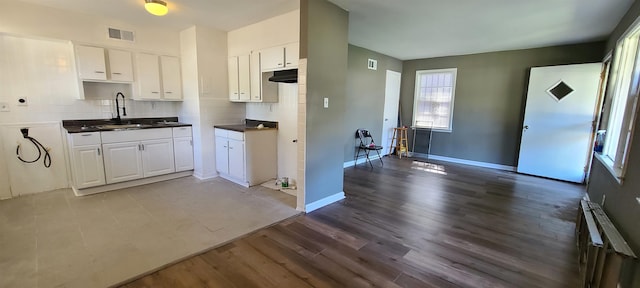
x=156 y=7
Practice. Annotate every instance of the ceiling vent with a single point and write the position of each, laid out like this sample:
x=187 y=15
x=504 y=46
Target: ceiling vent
x=118 y=34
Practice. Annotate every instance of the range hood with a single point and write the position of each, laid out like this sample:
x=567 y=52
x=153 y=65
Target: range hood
x=285 y=76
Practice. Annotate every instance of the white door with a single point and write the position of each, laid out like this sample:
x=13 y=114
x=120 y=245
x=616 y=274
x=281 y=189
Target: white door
x=236 y=159
x=391 y=102
x=148 y=76
x=157 y=157
x=557 y=129
x=88 y=168
x=120 y=65
x=244 y=77
x=122 y=161
x=183 y=150
x=171 y=79
x=288 y=131
x=222 y=155
x=91 y=64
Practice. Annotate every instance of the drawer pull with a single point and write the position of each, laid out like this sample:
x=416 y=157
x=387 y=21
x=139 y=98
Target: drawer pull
x=99 y=152
x=116 y=73
x=99 y=72
x=85 y=135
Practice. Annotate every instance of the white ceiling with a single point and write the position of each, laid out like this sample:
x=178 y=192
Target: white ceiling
x=414 y=29
x=405 y=29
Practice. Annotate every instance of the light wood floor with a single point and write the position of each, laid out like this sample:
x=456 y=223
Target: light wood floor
x=407 y=224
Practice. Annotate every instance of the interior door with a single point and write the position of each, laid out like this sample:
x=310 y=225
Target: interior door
x=558 y=121
x=391 y=102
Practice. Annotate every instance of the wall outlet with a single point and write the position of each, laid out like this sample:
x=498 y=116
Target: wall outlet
x=326 y=102
x=4 y=107
x=22 y=101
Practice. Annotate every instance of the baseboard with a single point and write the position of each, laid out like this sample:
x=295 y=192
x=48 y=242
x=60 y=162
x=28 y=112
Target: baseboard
x=324 y=202
x=466 y=162
x=360 y=161
x=132 y=183
x=204 y=178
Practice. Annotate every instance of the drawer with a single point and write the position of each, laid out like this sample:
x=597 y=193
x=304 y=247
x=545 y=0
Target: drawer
x=181 y=132
x=81 y=139
x=136 y=135
x=222 y=133
x=235 y=135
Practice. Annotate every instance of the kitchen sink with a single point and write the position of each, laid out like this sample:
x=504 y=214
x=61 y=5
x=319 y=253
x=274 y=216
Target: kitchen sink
x=123 y=126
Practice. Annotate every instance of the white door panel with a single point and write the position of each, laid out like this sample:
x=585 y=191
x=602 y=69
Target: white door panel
x=236 y=159
x=88 y=166
x=557 y=130
x=157 y=157
x=391 y=102
x=122 y=162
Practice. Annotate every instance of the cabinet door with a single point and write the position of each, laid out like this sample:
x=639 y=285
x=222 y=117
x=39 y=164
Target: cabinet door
x=292 y=55
x=256 y=77
x=157 y=157
x=272 y=58
x=87 y=166
x=183 y=153
x=222 y=155
x=122 y=161
x=236 y=159
x=234 y=93
x=120 y=66
x=244 y=83
x=91 y=64
x=148 y=76
x=171 y=79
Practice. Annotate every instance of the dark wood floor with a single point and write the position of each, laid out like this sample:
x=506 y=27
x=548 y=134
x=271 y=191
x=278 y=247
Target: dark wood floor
x=409 y=224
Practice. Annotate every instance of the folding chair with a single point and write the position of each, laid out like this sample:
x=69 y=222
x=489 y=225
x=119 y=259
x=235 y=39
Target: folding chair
x=367 y=145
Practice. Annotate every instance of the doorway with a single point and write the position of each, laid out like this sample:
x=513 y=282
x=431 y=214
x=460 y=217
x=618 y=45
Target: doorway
x=391 y=103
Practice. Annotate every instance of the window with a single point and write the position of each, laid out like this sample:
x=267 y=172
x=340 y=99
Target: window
x=622 y=89
x=433 y=102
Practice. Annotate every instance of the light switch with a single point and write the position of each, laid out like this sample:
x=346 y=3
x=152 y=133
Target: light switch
x=326 y=102
x=4 y=107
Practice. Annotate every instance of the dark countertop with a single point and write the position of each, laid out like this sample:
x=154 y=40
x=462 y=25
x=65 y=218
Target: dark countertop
x=97 y=125
x=249 y=125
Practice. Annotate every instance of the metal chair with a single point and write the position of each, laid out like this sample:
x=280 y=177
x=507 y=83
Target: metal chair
x=367 y=145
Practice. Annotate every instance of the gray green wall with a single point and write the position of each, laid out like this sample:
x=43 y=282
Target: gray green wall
x=324 y=43
x=489 y=98
x=620 y=201
x=365 y=95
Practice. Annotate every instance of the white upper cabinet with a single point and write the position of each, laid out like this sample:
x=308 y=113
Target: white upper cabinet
x=96 y=65
x=280 y=57
x=148 y=77
x=120 y=65
x=256 y=77
x=272 y=58
x=171 y=78
x=292 y=55
x=91 y=63
x=239 y=78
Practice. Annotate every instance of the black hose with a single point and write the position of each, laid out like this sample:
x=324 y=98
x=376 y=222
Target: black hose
x=40 y=147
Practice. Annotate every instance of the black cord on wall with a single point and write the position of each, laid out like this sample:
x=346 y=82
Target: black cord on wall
x=39 y=146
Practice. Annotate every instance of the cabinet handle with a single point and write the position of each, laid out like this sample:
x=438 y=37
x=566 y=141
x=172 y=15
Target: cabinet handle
x=168 y=92
x=85 y=135
x=279 y=64
x=155 y=92
x=139 y=147
x=288 y=63
x=230 y=148
x=99 y=72
x=191 y=142
x=142 y=147
x=116 y=73
x=99 y=152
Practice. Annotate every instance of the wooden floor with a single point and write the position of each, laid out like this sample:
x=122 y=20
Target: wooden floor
x=409 y=224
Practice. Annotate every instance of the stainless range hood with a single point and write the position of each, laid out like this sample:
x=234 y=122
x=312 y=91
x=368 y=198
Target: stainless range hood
x=285 y=76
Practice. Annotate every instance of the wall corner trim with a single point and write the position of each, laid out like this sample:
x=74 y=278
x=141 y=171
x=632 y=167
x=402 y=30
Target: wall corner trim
x=468 y=162
x=205 y=177
x=324 y=202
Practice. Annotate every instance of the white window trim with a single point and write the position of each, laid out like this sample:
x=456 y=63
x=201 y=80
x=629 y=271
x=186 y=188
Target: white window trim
x=453 y=96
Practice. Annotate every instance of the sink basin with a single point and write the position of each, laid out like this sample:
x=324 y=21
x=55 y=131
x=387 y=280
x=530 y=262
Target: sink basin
x=123 y=126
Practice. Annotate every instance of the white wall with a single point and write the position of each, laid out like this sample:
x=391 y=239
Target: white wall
x=274 y=31
x=22 y=18
x=263 y=35
x=204 y=54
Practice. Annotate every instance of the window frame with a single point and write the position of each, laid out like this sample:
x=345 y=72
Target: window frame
x=623 y=81
x=416 y=95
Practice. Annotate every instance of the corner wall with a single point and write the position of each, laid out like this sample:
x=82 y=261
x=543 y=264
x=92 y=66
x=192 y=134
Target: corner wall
x=621 y=202
x=364 y=104
x=324 y=48
x=489 y=99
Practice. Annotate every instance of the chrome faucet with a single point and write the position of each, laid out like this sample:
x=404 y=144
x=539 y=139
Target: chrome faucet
x=124 y=110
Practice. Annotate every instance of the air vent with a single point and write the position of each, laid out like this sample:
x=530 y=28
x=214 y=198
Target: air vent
x=118 y=34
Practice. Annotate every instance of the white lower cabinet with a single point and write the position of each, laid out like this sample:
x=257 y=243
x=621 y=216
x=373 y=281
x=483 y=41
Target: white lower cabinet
x=157 y=157
x=183 y=148
x=122 y=161
x=248 y=158
x=88 y=166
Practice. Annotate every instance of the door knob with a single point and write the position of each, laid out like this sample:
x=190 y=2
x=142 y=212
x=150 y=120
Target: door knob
x=295 y=141
x=526 y=127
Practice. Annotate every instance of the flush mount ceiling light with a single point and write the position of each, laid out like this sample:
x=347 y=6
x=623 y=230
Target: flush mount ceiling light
x=156 y=7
